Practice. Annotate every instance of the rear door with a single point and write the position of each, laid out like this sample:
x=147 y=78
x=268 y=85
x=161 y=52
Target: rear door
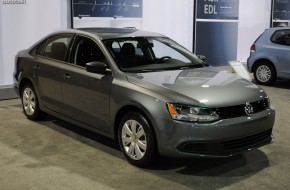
x=47 y=68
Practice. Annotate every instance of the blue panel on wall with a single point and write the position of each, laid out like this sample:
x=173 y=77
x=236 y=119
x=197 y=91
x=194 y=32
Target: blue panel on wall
x=217 y=9
x=281 y=10
x=216 y=30
x=281 y=13
x=217 y=41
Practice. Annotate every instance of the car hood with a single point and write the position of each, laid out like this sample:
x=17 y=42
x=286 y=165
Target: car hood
x=205 y=86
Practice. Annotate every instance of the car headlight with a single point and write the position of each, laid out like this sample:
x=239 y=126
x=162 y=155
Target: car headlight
x=191 y=113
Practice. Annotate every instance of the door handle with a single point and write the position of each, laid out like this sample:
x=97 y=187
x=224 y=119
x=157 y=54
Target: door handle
x=35 y=69
x=66 y=76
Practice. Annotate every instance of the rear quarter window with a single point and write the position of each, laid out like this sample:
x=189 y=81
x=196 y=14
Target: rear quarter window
x=281 y=37
x=54 y=47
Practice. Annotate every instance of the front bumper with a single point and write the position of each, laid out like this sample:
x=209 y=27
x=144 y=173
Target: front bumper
x=223 y=138
x=16 y=80
x=16 y=88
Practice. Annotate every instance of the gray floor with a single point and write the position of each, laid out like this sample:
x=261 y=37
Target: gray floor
x=52 y=154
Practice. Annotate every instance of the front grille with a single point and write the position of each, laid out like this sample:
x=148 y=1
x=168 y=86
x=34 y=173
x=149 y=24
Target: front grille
x=239 y=110
x=227 y=147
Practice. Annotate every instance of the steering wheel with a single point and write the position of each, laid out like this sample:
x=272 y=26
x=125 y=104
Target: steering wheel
x=159 y=60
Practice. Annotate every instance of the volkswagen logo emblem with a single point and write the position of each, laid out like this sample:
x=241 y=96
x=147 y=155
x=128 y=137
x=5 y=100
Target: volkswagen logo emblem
x=249 y=109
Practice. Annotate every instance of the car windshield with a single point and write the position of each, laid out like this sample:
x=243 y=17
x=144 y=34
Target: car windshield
x=145 y=54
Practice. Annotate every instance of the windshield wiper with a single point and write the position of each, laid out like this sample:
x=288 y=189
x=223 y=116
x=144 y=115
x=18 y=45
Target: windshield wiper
x=188 y=67
x=196 y=66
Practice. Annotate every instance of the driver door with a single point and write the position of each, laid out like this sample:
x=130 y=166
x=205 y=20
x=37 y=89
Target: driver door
x=86 y=96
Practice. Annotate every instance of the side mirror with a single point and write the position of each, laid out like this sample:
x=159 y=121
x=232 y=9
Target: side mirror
x=96 y=67
x=202 y=57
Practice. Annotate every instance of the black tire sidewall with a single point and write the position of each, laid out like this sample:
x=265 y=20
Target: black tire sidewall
x=151 y=144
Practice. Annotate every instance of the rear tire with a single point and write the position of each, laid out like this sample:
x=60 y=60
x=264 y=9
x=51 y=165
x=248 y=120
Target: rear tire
x=136 y=139
x=265 y=73
x=30 y=103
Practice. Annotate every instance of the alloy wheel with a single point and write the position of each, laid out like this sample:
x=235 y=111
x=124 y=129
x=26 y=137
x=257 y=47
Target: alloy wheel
x=263 y=73
x=29 y=101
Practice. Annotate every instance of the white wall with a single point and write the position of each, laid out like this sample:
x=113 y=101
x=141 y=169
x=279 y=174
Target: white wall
x=1 y=53
x=21 y=25
x=172 y=18
x=254 y=18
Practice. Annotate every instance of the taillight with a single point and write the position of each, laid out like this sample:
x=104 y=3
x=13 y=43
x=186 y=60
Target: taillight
x=253 y=48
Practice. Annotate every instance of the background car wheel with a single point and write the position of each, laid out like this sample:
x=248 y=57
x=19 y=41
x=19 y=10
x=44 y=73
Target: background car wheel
x=30 y=103
x=264 y=73
x=136 y=139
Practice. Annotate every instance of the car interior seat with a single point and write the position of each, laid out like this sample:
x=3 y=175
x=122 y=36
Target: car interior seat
x=58 y=50
x=127 y=55
x=88 y=52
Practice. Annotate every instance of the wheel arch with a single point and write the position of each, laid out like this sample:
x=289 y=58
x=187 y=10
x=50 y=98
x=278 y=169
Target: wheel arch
x=131 y=108
x=263 y=60
x=24 y=81
x=266 y=80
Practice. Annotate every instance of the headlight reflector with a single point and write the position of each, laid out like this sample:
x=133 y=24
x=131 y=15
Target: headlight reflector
x=191 y=113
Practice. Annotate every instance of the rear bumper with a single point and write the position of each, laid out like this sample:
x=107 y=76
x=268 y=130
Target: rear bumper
x=250 y=63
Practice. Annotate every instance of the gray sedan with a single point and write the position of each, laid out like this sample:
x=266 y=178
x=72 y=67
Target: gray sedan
x=144 y=90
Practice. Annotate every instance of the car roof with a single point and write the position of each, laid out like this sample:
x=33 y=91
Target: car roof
x=278 y=28
x=111 y=33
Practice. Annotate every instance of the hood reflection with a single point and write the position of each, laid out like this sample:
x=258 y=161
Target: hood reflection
x=202 y=77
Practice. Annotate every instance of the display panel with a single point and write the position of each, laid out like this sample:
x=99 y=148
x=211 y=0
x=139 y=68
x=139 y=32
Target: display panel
x=281 y=13
x=216 y=30
x=102 y=13
x=214 y=9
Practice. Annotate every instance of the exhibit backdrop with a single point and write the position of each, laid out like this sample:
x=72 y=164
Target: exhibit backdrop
x=252 y=22
x=22 y=23
x=281 y=13
x=104 y=13
x=216 y=30
x=172 y=18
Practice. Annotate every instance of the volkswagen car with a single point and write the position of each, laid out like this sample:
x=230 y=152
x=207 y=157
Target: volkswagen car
x=269 y=57
x=150 y=94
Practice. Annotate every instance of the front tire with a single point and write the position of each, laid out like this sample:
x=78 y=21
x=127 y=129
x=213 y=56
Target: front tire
x=136 y=139
x=30 y=103
x=265 y=73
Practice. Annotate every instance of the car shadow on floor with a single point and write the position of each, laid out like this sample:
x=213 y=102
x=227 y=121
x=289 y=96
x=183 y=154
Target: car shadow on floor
x=194 y=172
x=280 y=83
x=78 y=133
x=239 y=165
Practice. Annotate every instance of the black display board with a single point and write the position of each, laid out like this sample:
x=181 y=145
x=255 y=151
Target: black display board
x=103 y=8
x=216 y=30
x=98 y=10
x=280 y=13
